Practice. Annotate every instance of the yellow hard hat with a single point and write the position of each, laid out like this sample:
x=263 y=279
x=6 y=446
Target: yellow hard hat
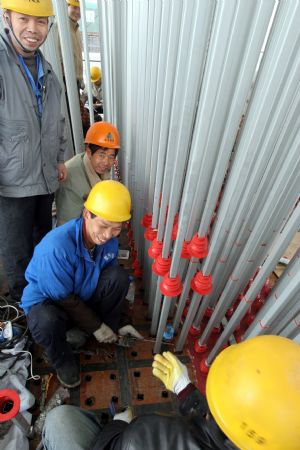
x=96 y=74
x=42 y=8
x=110 y=200
x=73 y=3
x=253 y=392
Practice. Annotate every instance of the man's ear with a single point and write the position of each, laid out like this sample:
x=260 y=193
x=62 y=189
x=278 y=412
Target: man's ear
x=86 y=214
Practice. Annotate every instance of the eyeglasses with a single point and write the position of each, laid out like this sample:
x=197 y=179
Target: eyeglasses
x=103 y=156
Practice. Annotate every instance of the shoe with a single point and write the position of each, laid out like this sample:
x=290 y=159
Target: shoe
x=68 y=375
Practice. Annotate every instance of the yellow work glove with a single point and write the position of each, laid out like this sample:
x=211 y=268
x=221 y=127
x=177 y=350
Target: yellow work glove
x=171 y=372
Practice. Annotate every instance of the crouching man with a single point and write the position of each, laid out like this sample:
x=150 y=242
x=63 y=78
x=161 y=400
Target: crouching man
x=74 y=279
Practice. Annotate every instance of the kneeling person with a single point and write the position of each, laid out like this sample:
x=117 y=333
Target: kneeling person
x=74 y=278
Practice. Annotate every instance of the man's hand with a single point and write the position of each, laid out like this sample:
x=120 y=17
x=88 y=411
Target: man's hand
x=129 y=329
x=104 y=334
x=62 y=172
x=171 y=372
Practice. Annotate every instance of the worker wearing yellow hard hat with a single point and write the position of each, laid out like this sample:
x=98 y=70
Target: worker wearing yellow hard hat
x=30 y=114
x=253 y=394
x=102 y=143
x=96 y=80
x=74 y=277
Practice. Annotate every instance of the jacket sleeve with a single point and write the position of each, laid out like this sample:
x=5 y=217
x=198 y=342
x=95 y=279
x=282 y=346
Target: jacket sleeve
x=62 y=141
x=191 y=401
x=83 y=316
x=109 y=437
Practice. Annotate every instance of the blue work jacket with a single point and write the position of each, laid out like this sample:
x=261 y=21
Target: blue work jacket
x=61 y=265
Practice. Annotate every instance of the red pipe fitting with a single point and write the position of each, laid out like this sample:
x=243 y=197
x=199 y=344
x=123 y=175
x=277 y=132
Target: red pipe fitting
x=155 y=249
x=161 y=266
x=174 y=231
x=171 y=287
x=209 y=312
x=198 y=247
x=133 y=253
x=193 y=331
x=202 y=284
x=138 y=273
x=9 y=404
x=146 y=220
x=204 y=368
x=150 y=234
x=199 y=348
x=136 y=264
x=185 y=254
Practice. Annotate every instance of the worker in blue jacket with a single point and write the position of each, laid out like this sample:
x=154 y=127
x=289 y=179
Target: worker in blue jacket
x=73 y=277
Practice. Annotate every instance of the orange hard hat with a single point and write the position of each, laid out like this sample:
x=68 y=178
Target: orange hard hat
x=103 y=134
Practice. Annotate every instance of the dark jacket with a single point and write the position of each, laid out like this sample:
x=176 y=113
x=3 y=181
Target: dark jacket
x=191 y=431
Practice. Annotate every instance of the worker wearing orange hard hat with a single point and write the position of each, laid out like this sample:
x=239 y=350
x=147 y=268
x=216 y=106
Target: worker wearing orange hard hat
x=102 y=143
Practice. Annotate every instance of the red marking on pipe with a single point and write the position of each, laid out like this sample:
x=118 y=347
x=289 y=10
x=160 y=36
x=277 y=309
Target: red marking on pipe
x=238 y=244
x=297 y=323
x=244 y=299
x=222 y=261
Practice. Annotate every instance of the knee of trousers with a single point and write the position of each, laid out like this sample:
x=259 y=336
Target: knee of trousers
x=43 y=322
x=117 y=274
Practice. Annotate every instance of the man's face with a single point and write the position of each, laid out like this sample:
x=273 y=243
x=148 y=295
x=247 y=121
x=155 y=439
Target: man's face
x=31 y=31
x=99 y=230
x=74 y=13
x=102 y=160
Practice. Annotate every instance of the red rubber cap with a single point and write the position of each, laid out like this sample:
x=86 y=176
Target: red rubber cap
x=204 y=368
x=194 y=331
x=155 y=249
x=133 y=253
x=171 y=287
x=185 y=250
x=161 y=266
x=198 y=247
x=9 y=404
x=136 y=264
x=174 y=231
x=199 y=348
x=150 y=234
x=138 y=273
x=202 y=284
x=146 y=220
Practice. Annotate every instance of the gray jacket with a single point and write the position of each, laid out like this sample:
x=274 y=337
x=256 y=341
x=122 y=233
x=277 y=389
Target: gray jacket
x=29 y=148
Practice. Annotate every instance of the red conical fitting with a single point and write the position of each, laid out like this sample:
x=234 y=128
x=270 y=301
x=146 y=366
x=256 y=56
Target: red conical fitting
x=200 y=348
x=171 y=287
x=136 y=264
x=193 y=331
x=204 y=368
x=209 y=312
x=133 y=253
x=198 y=247
x=174 y=231
x=138 y=273
x=202 y=284
x=130 y=234
x=185 y=250
x=161 y=266
x=150 y=234
x=146 y=220
x=155 y=249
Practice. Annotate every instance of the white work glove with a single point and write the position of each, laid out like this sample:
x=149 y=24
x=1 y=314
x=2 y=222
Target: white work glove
x=171 y=372
x=129 y=329
x=126 y=415
x=105 y=334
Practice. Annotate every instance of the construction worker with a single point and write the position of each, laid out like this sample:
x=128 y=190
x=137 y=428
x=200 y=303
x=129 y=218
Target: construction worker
x=253 y=395
x=32 y=143
x=73 y=278
x=74 y=17
x=96 y=79
x=102 y=144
